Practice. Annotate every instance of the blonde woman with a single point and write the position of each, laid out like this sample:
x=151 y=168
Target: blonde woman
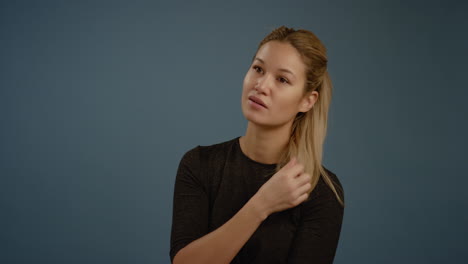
x=265 y=197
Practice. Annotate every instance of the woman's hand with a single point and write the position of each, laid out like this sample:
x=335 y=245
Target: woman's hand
x=285 y=189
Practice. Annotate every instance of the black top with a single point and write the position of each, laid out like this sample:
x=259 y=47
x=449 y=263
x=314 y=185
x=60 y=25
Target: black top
x=214 y=182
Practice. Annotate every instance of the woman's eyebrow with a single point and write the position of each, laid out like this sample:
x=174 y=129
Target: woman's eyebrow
x=283 y=70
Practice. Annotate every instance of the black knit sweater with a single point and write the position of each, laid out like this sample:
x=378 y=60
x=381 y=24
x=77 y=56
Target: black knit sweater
x=214 y=182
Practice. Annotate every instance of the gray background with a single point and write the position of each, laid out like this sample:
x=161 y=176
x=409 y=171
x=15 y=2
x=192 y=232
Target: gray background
x=100 y=100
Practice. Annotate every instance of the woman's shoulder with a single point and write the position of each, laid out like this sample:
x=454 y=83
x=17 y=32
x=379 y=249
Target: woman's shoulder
x=323 y=190
x=220 y=146
x=215 y=151
x=333 y=177
x=203 y=161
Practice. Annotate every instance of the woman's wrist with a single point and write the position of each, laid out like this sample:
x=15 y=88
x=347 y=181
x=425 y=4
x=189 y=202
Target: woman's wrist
x=258 y=206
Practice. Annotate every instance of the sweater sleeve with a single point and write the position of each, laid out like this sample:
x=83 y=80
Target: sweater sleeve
x=318 y=233
x=190 y=203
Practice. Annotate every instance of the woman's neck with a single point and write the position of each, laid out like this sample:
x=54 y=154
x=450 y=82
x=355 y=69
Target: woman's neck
x=265 y=145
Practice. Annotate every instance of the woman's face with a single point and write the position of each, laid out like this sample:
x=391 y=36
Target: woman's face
x=277 y=78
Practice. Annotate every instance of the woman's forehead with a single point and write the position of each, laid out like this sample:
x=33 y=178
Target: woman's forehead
x=282 y=56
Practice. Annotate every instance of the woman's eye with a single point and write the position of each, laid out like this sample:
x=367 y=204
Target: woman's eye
x=256 y=68
x=259 y=70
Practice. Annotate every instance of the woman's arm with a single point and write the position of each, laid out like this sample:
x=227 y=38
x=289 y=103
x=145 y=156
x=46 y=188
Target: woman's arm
x=190 y=240
x=223 y=244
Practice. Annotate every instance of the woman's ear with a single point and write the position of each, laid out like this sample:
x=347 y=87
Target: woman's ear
x=308 y=101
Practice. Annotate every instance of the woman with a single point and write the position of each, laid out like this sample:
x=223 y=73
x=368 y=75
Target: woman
x=265 y=197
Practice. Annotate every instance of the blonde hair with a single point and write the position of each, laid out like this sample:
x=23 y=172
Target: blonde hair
x=309 y=129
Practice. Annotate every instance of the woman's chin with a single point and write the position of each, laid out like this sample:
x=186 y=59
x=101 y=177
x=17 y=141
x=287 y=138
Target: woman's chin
x=255 y=120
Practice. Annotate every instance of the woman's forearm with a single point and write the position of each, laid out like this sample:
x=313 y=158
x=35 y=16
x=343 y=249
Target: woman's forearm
x=222 y=244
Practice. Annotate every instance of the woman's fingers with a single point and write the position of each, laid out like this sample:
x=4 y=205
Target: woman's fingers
x=291 y=163
x=301 y=198
x=303 y=179
x=295 y=170
x=303 y=188
x=287 y=188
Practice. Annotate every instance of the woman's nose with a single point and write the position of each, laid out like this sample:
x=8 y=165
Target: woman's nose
x=263 y=84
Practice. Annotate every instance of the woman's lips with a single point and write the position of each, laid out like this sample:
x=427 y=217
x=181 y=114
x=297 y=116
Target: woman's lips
x=256 y=105
x=257 y=101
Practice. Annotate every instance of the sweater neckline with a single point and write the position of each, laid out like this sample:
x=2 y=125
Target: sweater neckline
x=265 y=165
